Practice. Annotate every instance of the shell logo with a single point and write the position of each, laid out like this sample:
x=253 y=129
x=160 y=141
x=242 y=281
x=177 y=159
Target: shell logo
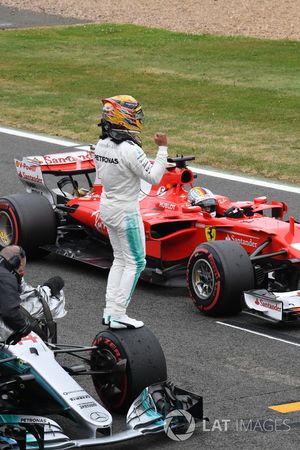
x=4 y=238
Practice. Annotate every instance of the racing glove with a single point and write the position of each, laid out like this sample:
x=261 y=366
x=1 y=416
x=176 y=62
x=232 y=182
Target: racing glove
x=233 y=212
x=16 y=336
x=55 y=284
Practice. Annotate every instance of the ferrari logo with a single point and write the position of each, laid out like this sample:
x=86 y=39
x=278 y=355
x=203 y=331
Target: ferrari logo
x=210 y=233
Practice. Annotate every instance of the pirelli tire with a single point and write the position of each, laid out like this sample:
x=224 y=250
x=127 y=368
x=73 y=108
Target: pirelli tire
x=217 y=275
x=142 y=363
x=294 y=279
x=27 y=220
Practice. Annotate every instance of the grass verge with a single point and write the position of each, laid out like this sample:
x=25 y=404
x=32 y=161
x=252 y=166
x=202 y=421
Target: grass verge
x=233 y=102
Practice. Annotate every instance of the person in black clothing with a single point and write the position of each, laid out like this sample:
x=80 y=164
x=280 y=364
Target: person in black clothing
x=12 y=266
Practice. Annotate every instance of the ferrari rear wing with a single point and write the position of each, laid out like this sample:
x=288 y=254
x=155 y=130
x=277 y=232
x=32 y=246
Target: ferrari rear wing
x=78 y=161
x=31 y=169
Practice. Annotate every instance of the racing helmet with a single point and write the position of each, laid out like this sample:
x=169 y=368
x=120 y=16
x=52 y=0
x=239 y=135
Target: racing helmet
x=199 y=196
x=122 y=118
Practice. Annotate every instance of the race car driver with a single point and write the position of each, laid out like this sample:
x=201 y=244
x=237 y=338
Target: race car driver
x=200 y=196
x=121 y=164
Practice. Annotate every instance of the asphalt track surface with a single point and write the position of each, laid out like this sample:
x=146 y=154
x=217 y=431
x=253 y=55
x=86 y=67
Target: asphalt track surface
x=239 y=373
x=14 y=18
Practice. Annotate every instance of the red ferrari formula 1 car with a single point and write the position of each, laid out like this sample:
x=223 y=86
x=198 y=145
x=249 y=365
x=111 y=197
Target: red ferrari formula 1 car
x=247 y=246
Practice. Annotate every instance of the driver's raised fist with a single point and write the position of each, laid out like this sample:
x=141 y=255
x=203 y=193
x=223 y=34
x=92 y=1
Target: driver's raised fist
x=160 y=139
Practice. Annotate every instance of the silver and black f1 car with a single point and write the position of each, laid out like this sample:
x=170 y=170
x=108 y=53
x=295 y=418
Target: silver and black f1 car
x=128 y=369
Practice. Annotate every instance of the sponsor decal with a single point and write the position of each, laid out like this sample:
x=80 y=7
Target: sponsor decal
x=29 y=173
x=73 y=392
x=268 y=305
x=30 y=337
x=87 y=405
x=25 y=166
x=62 y=158
x=80 y=397
x=210 y=233
x=167 y=205
x=105 y=159
x=33 y=420
x=241 y=240
x=99 y=225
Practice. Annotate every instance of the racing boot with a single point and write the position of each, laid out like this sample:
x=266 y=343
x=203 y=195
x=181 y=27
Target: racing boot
x=107 y=313
x=123 y=321
x=111 y=310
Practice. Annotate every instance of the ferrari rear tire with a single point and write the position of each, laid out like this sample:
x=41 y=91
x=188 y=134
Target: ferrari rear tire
x=27 y=220
x=217 y=274
x=294 y=280
x=145 y=365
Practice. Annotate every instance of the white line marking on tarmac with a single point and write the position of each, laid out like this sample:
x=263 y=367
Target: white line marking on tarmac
x=259 y=334
x=209 y=173
x=248 y=180
x=37 y=137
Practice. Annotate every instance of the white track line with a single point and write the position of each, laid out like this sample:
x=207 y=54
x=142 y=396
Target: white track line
x=259 y=334
x=37 y=137
x=248 y=180
x=209 y=173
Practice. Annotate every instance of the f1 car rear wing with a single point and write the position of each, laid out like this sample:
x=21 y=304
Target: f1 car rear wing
x=71 y=162
x=31 y=169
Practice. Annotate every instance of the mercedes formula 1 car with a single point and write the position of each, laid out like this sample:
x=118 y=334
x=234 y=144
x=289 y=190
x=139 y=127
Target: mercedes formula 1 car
x=128 y=369
x=247 y=245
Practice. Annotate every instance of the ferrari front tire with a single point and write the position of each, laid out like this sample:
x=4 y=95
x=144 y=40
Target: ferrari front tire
x=144 y=364
x=217 y=275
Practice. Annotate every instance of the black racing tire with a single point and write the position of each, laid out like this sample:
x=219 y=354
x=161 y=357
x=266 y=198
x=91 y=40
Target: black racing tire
x=294 y=280
x=27 y=220
x=145 y=365
x=217 y=275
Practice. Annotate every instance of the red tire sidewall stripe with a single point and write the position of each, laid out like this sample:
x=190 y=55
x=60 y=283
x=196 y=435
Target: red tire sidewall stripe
x=12 y=214
x=116 y=352
x=217 y=279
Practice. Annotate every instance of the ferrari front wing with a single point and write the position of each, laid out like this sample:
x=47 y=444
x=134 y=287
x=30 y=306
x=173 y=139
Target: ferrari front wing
x=273 y=306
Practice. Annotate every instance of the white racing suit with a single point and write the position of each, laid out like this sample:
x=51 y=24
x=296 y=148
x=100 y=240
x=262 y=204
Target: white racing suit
x=120 y=168
x=31 y=301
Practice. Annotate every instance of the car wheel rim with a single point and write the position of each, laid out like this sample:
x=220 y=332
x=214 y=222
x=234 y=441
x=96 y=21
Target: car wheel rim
x=203 y=279
x=6 y=229
x=111 y=387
